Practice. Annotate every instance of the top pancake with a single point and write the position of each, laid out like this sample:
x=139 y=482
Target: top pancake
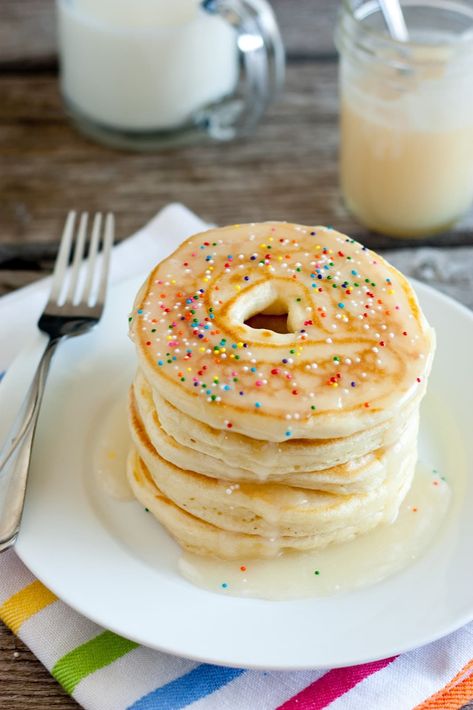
x=358 y=347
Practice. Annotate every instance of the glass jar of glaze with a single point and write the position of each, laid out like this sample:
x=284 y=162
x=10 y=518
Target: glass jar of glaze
x=406 y=152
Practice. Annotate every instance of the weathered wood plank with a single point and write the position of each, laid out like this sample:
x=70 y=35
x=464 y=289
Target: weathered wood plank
x=307 y=26
x=47 y=166
x=24 y=683
x=286 y=170
x=448 y=270
x=27 y=31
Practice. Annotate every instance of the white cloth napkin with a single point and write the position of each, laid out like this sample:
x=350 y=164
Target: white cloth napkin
x=106 y=672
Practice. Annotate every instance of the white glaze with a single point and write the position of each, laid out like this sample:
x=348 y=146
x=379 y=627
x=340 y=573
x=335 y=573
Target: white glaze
x=366 y=560
x=109 y=456
x=363 y=561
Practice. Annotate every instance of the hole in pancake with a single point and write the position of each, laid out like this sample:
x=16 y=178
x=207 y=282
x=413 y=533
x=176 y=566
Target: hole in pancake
x=272 y=308
x=265 y=321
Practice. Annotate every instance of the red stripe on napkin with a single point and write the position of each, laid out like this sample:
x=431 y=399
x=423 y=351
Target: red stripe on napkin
x=332 y=685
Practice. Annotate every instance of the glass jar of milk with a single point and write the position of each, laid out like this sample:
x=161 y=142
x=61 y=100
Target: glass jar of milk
x=406 y=153
x=143 y=73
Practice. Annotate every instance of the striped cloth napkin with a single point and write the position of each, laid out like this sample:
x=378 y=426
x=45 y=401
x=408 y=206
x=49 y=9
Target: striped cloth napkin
x=104 y=671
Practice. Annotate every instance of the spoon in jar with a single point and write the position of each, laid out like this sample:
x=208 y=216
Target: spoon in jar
x=394 y=19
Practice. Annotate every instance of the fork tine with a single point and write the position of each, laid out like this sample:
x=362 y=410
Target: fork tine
x=78 y=256
x=62 y=258
x=107 y=250
x=92 y=257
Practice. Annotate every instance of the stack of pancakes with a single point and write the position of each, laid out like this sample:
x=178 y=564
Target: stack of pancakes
x=248 y=441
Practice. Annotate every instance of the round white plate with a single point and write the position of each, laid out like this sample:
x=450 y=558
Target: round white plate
x=113 y=563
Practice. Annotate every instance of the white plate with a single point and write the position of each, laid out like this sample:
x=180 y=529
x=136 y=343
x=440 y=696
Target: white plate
x=112 y=562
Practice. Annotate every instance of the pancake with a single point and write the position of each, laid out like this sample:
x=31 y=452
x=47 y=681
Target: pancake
x=276 y=510
x=276 y=404
x=359 y=475
x=204 y=538
x=357 y=351
x=269 y=460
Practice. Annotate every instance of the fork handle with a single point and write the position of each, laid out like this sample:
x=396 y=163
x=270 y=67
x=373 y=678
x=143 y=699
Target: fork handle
x=13 y=481
x=31 y=402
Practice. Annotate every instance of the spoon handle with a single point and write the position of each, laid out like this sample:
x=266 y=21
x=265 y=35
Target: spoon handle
x=394 y=19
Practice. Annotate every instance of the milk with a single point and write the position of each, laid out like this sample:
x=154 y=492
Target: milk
x=144 y=65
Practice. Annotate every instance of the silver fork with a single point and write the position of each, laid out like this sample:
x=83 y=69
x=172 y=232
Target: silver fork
x=75 y=305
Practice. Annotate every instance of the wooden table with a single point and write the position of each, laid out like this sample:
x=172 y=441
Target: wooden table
x=287 y=170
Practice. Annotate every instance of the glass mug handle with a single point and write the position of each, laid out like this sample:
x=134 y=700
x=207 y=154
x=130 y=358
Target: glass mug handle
x=262 y=58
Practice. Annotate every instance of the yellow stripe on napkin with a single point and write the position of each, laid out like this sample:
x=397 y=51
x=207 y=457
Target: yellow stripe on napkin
x=24 y=604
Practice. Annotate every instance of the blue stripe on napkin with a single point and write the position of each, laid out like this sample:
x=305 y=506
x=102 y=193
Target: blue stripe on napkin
x=192 y=686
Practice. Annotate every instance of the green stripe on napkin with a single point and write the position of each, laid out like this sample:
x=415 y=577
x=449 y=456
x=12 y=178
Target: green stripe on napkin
x=90 y=657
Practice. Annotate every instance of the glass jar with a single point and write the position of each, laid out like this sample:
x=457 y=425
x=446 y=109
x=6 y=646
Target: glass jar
x=406 y=153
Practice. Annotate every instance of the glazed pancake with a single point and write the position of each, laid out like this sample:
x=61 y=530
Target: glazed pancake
x=355 y=351
x=198 y=535
x=280 y=510
x=262 y=460
x=276 y=403
x=358 y=475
